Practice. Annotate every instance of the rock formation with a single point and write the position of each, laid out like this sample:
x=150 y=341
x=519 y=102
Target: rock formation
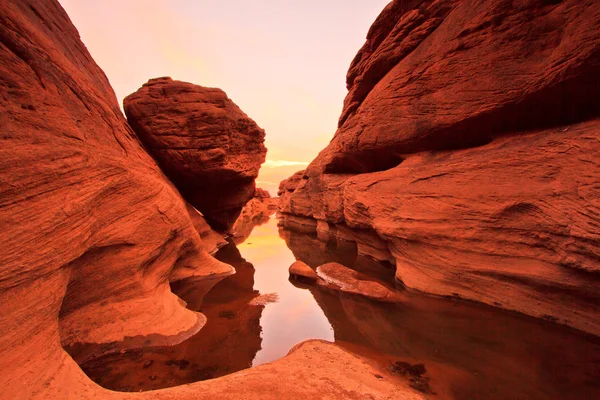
x=347 y=280
x=303 y=272
x=203 y=142
x=471 y=351
x=468 y=145
x=92 y=232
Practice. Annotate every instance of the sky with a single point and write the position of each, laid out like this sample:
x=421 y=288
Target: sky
x=283 y=62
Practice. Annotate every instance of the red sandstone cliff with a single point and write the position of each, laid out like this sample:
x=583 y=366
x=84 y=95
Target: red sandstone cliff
x=469 y=145
x=203 y=142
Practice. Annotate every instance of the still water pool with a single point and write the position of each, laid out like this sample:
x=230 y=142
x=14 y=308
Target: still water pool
x=469 y=351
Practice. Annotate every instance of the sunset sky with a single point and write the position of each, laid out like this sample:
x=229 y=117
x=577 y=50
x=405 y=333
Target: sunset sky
x=283 y=62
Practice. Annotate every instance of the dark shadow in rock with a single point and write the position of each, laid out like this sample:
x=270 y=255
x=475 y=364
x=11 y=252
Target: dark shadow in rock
x=227 y=343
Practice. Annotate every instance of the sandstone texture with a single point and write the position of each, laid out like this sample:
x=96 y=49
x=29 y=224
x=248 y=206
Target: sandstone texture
x=470 y=350
x=92 y=231
x=92 y=234
x=349 y=281
x=211 y=239
x=203 y=142
x=468 y=146
x=301 y=270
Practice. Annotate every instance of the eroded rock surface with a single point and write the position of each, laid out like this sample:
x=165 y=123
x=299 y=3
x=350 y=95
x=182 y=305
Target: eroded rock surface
x=203 y=142
x=92 y=231
x=468 y=144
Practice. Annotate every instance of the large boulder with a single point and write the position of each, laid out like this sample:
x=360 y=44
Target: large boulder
x=468 y=143
x=203 y=142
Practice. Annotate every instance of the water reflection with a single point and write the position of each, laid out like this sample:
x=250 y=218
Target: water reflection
x=296 y=316
x=470 y=351
x=227 y=343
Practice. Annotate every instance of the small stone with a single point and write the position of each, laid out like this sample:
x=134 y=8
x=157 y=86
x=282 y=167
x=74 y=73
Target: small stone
x=301 y=270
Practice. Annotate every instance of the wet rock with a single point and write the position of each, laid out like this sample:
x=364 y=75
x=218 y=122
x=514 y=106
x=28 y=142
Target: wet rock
x=414 y=374
x=203 y=142
x=337 y=276
x=301 y=271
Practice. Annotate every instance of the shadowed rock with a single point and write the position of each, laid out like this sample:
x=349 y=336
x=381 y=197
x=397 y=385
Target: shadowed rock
x=203 y=142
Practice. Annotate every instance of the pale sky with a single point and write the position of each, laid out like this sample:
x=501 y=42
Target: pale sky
x=283 y=62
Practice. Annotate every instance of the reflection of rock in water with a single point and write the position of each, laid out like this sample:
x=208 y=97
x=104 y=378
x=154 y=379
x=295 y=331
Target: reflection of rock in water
x=227 y=343
x=469 y=350
x=255 y=213
x=316 y=249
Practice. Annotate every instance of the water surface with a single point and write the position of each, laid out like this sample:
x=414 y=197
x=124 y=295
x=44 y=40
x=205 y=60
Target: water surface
x=469 y=351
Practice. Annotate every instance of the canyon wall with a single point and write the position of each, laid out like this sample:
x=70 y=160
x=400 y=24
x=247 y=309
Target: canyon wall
x=468 y=145
x=92 y=232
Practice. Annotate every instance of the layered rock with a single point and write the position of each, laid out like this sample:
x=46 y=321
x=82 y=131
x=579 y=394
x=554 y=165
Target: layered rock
x=92 y=233
x=468 y=145
x=203 y=142
x=470 y=350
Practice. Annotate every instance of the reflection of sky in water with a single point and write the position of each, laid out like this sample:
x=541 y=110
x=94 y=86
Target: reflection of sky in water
x=296 y=316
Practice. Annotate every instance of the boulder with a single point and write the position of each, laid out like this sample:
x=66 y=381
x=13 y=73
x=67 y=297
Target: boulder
x=301 y=270
x=203 y=142
x=340 y=277
x=92 y=232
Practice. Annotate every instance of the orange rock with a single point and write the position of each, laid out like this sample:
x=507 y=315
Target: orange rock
x=300 y=270
x=92 y=233
x=340 y=277
x=203 y=142
x=468 y=144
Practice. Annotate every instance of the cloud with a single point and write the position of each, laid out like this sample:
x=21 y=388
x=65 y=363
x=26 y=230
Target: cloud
x=284 y=163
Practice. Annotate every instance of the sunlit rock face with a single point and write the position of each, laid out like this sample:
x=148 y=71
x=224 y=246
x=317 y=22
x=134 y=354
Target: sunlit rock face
x=203 y=142
x=468 y=143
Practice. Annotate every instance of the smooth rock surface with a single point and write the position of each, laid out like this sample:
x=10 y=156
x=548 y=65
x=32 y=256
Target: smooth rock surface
x=340 y=277
x=203 y=142
x=300 y=270
x=468 y=145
